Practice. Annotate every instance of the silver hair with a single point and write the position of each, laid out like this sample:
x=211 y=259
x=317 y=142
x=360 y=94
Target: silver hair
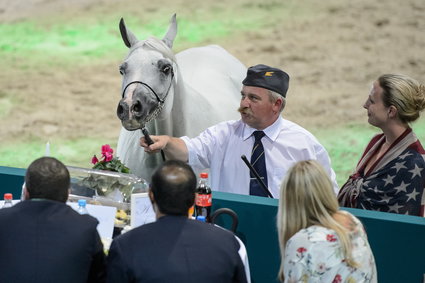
x=274 y=96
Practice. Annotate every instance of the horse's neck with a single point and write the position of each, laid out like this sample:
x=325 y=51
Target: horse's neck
x=163 y=127
x=205 y=93
x=179 y=113
x=174 y=124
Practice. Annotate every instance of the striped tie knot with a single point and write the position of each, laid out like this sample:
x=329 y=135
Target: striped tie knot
x=258 y=135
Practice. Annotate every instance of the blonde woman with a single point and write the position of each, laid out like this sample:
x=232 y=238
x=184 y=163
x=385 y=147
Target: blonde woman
x=319 y=242
x=390 y=175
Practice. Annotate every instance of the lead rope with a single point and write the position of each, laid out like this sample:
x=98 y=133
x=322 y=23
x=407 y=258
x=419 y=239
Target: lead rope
x=149 y=141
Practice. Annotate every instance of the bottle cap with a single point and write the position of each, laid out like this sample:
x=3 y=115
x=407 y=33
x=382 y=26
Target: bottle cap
x=201 y=218
x=8 y=196
x=204 y=175
x=82 y=202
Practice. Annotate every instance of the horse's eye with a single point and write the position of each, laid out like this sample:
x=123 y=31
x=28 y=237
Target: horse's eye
x=166 y=69
x=122 y=68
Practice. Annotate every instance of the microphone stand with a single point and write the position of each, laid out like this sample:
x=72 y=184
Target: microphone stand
x=269 y=194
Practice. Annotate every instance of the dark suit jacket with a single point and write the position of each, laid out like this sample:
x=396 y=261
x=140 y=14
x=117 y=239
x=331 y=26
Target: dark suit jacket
x=175 y=249
x=47 y=241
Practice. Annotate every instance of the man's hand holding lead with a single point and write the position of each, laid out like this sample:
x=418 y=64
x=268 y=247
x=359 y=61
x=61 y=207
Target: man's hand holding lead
x=159 y=142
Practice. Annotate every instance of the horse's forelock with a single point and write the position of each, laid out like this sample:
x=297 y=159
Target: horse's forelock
x=158 y=45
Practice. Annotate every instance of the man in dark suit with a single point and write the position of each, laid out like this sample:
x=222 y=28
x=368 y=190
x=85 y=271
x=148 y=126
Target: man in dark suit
x=175 y=248
x=44 y=240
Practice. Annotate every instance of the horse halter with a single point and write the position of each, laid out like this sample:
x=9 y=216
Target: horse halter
x=160 y=100
x=151 y=89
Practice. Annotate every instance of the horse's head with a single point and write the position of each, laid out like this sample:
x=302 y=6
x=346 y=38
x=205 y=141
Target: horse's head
x=148 y=78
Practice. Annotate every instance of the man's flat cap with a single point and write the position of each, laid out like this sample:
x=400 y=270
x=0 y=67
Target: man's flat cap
x=267 y=77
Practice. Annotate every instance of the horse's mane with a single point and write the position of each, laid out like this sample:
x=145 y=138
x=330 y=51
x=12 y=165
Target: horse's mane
x=157 y=45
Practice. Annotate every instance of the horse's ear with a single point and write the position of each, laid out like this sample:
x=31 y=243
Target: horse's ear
x=171 y=33
x=127 y=36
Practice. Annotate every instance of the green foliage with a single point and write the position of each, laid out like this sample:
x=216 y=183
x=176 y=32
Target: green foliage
x=6 y=104
x=75 y=152
x=86 y=39
x=345 y=146
x=67 y=43
x=114 y=165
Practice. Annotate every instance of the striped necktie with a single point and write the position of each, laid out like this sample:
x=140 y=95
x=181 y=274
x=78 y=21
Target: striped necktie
x=258 y=161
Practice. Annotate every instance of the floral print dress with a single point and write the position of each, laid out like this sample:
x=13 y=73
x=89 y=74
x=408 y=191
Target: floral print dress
x=314 y=254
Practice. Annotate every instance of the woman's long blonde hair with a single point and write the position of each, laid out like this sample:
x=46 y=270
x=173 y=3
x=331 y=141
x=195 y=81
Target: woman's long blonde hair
x=306 y=199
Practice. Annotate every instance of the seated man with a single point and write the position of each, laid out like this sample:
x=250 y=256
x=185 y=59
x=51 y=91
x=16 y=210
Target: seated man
x=175 y=248
x=45 y=240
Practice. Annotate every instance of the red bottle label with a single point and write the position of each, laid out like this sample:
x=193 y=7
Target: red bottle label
x=203 y=200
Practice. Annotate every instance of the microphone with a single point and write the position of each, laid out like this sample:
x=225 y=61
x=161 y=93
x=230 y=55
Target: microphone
x=149 y=141
x=256 y=175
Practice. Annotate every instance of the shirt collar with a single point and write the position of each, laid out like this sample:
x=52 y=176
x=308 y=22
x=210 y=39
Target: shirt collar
x=271 y=131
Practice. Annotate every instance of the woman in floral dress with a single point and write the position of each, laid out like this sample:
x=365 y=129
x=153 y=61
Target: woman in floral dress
x=319 y=242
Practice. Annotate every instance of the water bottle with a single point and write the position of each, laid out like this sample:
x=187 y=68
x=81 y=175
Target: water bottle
x=82 y=207
x=203 y=197
x=8 y=200
x=201 y=218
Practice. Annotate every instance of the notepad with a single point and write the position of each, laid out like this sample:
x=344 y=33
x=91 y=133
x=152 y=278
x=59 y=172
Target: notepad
x=104 y=214
x=141 y=210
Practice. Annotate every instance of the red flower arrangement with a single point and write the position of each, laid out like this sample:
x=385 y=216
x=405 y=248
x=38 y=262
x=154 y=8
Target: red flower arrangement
x=108 y=161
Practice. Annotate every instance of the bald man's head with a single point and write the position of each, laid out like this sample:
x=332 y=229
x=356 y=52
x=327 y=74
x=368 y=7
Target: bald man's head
x=173 y=187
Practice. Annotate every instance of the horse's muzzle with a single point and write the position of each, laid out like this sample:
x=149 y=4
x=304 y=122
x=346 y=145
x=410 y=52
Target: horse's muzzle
x=123 y=111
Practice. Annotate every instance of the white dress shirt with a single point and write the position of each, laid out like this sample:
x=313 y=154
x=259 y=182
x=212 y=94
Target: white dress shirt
x=220 y=148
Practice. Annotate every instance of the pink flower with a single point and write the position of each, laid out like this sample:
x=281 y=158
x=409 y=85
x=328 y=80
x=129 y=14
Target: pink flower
x=330 y=238
x=94 y=159
x=108 y=162
x=321 y=267
x=337 y=279
x=107 y=149
x=108 y=156
x=107 y=152
x=301 y=250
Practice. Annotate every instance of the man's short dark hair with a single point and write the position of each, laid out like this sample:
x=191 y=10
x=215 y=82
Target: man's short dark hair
x=47 y=178
x=173 y=187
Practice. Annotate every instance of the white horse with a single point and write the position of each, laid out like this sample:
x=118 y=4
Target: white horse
x=171 y=94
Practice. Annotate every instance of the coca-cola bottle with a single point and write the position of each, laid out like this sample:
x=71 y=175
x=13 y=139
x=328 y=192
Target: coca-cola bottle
x=7 y=200
x=203 y=197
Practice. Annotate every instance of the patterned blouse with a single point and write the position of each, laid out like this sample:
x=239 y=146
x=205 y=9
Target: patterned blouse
x=314 y=254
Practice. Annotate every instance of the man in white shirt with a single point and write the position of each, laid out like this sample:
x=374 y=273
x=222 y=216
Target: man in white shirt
x=220 y=147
